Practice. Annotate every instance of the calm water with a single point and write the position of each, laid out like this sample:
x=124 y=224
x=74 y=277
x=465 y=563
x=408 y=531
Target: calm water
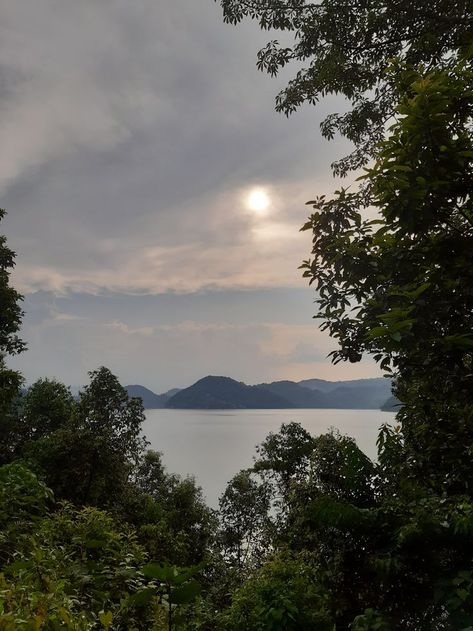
x=213 y=445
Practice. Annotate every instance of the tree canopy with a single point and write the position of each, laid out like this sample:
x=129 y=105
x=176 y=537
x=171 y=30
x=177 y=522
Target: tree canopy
x=399 y=286
x=10 y=343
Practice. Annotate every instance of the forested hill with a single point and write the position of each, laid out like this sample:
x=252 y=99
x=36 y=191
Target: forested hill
x=149 y=399
x=225 y=393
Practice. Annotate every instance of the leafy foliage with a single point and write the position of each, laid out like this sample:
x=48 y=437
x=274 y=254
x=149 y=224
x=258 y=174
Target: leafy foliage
x=283 y=594
x=283 y=458
x=46 y=407
x=399 y=287
x=10 y=344
x=86 y=450
x=169 y=513
x=244 y=515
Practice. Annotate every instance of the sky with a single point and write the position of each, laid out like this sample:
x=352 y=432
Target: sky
x=155 y=197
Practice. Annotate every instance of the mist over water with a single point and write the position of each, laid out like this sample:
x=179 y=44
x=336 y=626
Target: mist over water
x=213 y=445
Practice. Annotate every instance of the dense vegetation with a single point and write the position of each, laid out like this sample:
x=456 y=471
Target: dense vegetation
x=95 y=534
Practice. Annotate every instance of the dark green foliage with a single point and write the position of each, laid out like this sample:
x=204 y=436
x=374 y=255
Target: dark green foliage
x=10 y=316
x=169 y=513
x=340 y=469
x=174 y=586
x=283 y=458
x=23 y=500
x=105 y=410
x=46 y=407
x=67 y=568
x=108 y=425
x=244 y=514
x=400 y=287
x=85 y=450
x=10 y=344
x=283 y=594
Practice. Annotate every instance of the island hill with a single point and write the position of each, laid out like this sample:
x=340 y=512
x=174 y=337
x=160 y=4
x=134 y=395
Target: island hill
x=216 y=393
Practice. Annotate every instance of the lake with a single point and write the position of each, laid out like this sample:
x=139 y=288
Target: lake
x=213 y=445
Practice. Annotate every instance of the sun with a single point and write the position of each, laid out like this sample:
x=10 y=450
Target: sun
x=258 y=201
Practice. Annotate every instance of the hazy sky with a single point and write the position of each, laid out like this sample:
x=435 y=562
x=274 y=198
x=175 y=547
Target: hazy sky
x=133 y=134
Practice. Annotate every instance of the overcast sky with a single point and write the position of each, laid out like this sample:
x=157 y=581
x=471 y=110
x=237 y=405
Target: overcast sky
x=133 y=134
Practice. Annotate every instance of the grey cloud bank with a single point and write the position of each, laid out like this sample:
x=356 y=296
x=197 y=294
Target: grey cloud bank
x=165 y=341
x=131 y=135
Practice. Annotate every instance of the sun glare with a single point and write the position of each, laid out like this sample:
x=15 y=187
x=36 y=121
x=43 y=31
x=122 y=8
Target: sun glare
x=258 y=201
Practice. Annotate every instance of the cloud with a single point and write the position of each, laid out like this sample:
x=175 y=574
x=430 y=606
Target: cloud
x=131 y=133
x=169 y=354
x=190 y=250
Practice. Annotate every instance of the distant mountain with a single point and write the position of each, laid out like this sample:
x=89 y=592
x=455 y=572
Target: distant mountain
x=318 y=393
x=319 y=384
x=150 y=399
x=366 y=397
x=225 y=393
x=171 y=393
x=353 y=394
x=329 y=386
x=216 y=393
x=299 y=396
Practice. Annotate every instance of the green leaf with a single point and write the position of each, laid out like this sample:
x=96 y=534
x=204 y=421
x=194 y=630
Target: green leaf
x=141 y=598
x=95 y=543
x=163 y=573
x=378 y=331
x=185 y=593
x=106 y=619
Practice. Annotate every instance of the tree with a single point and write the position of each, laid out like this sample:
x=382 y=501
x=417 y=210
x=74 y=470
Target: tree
x=345 y=48
x=10 y=344
x=47 y=406
x=283 y=594
x=169 y=512
x=112 y=422
x=283 y=459
x=67 y=568
x=11 y=314
x=392 y=263
x=340 y=469
x=244 y=508
x=399 y=287
x=88 y=457
x=105 y=409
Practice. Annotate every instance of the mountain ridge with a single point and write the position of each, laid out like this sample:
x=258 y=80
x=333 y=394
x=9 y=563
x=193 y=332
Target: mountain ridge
x=221 y=392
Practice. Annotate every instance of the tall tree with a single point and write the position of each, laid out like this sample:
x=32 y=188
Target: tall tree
x=46 y=407
x=169 y=512
x=87 y=457
x=10 y=344
x=400 y=287
x=343 y=47
x=244 y=508
x=112 y=421
x=105 y=409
